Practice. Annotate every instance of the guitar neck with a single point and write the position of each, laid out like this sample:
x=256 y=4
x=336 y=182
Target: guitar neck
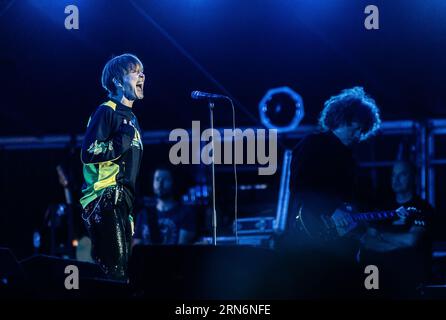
x=374 y=216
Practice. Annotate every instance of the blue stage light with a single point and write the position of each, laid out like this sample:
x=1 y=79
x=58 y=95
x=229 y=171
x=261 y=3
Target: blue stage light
x=281 y=109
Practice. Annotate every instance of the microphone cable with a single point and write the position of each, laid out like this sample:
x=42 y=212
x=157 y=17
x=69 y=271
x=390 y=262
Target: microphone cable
x=235 y=173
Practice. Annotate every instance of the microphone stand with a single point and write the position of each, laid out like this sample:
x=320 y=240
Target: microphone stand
x=214 y=210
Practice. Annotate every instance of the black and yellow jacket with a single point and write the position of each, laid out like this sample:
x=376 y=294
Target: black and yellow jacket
x=111 y=151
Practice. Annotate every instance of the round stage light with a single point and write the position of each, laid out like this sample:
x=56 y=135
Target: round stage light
x=282 y=109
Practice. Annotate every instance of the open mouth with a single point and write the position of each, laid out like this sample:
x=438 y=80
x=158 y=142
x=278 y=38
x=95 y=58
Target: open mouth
x=139 y=86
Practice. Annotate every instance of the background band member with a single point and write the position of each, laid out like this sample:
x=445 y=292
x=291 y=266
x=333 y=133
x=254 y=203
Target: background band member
x=166 y=221
x=111 y=154
x=401 y=247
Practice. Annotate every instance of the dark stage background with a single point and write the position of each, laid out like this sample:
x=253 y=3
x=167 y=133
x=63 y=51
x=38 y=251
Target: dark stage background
x=50 y=76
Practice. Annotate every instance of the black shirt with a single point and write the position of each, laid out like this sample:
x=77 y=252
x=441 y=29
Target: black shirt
x=322 y=179
x=163 y=227
x=421 y=249
x=410 y=265
x=322 y=163
x=322 y=172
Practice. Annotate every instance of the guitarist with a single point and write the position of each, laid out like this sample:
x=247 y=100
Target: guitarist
x=402 y=247
x=323 y=173
x=323 y=167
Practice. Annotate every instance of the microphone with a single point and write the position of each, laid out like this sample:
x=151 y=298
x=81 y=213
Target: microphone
x=197 y=95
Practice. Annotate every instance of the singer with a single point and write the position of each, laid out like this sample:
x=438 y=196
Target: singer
x=111 y=155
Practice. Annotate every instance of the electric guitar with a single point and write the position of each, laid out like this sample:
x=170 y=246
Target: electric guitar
x=343 y=221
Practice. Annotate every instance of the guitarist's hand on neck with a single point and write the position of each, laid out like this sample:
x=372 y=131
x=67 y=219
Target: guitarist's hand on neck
x=402 y=216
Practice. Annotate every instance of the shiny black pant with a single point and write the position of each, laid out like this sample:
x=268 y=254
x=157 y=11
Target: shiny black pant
x=107 y=221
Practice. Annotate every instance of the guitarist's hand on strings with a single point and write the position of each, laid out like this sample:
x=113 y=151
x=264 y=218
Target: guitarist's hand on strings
x=343 y=221
x=341 y=218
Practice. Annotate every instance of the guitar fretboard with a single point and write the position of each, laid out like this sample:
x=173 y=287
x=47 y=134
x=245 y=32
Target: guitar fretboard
x=371 y=216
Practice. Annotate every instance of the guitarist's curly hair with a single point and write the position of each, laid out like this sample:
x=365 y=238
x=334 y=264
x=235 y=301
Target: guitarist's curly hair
x=351 y=105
